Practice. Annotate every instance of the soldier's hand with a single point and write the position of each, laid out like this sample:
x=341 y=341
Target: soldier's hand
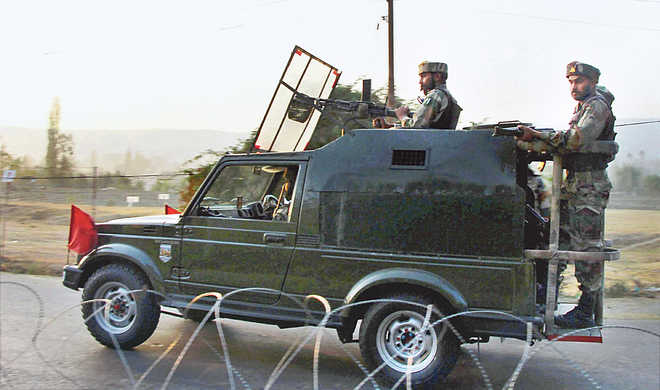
x=402 y=112
x=380 y=123
x=528 y=133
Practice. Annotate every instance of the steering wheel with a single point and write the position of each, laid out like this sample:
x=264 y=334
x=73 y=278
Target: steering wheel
x=207 y=211
x=269 y=202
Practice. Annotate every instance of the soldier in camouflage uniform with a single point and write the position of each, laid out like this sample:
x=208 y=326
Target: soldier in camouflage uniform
x=586 y=190
x=439 y=109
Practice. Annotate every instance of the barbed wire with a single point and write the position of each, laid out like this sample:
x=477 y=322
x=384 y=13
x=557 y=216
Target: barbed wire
x=223 y=355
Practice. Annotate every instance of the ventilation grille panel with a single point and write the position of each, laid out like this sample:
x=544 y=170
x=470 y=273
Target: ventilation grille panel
x=408 y=158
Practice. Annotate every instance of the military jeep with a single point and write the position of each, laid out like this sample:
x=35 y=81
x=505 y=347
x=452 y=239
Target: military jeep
x=423 y=216
x=385 y=225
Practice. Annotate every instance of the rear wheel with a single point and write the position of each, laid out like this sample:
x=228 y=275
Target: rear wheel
x=130 y=317
x=393 y=334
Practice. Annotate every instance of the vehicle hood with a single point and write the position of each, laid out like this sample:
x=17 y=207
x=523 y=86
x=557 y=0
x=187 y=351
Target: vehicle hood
x=170 y=219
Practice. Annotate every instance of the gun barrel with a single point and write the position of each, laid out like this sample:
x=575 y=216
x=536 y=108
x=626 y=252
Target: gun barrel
x=362 y=109
x=382 y=111
x=507 y=131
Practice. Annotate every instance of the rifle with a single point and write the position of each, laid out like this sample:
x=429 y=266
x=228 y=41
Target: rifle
x=363 y=109
x=510 y=128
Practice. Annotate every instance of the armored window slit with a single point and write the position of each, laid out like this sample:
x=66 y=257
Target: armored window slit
x=415 y=159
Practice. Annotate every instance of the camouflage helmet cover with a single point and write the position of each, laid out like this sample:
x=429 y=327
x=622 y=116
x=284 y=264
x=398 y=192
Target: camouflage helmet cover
x=576 y=68
x=432 y=67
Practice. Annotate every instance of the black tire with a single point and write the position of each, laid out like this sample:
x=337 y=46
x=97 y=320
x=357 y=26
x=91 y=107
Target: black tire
x=132 y=318
x=391 y=332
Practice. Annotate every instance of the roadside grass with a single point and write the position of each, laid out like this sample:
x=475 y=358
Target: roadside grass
x=621 y=223
x=36 y=236
x=637 y=272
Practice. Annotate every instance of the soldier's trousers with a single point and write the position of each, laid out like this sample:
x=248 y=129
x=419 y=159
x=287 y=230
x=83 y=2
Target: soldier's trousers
x=582 y=221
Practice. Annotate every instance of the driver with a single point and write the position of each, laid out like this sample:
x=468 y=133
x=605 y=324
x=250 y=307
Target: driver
x=281 y=212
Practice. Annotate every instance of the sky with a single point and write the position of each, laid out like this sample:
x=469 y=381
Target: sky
x=215 y=64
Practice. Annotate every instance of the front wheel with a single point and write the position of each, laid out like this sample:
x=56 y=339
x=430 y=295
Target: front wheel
x=130 y=317
x=394 y=335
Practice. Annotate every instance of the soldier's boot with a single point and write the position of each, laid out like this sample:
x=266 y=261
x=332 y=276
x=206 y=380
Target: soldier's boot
x=582 y=315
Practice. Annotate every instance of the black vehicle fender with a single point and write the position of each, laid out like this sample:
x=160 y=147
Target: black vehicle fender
x=117 y=252
x=403 y=276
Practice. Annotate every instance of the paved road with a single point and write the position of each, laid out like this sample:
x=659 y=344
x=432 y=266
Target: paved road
x=64 y=356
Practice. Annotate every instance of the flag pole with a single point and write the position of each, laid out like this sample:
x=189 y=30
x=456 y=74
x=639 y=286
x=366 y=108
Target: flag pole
x=68 y=250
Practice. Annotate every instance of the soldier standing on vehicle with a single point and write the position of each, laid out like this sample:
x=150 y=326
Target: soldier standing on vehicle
x=586 y=190
x=439 y=109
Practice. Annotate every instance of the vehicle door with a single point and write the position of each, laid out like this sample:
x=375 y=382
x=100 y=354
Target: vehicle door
x=241 y=231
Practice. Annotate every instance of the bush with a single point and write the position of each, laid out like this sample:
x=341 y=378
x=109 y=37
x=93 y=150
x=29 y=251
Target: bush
x=652 y=184
x=618 y=290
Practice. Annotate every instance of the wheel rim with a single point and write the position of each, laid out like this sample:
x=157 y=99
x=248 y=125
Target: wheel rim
x=400 y=336
x=121 y=313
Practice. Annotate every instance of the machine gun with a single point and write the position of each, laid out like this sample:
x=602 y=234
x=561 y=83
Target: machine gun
x=510 y=128
x=362 y=109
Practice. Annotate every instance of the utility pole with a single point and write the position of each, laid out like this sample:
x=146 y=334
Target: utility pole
x=390 y=44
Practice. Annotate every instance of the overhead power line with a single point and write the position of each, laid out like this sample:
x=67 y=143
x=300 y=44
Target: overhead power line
x=575 y=21
x=637 y=123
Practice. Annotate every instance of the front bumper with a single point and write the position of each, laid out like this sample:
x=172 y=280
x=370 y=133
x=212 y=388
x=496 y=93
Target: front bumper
x=71 y=276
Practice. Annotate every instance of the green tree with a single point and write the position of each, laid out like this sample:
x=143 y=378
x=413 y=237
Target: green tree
x=652 y=184
x=22 y=165
x=328 y=128
x=163 y=185
x=59 y=152
x=629 y=178
x=196 y=175
x=7 y=161
x=332 y=123
x=128 y=161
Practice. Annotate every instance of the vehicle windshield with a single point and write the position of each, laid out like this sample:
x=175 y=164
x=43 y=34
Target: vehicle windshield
x=288 y=127
x=249 y=183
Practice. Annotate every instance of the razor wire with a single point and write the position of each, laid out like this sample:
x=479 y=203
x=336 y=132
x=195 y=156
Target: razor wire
x=529 y=351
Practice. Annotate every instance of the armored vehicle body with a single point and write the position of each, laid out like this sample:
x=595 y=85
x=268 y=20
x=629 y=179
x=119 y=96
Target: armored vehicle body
x=381 y=223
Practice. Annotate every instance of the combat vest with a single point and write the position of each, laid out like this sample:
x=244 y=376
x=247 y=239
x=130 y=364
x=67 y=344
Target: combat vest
x=449 y=118
x=592 y=162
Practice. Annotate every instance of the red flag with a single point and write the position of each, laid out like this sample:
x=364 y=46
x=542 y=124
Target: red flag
x=82 y=231
x=171 y=210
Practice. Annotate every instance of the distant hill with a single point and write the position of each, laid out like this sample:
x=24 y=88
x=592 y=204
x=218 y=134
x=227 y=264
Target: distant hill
x=166 y=149
x=169 y=149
